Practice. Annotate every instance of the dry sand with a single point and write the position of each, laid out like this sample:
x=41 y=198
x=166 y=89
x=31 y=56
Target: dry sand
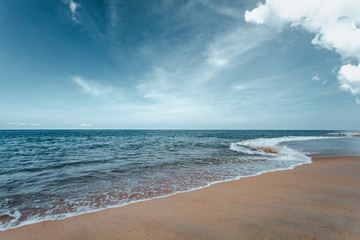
x=314 y=201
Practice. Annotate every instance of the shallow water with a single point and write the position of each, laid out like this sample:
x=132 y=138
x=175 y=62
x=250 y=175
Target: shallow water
x=52 y=174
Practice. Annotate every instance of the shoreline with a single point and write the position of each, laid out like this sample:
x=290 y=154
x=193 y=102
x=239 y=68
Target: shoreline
x=71 y=215
x=159 y=217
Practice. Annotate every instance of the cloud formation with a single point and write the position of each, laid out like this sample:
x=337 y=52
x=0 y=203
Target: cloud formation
x=336 y=25
x=349 y=78
x=316 y=78
x=95 y=89
x=232 y=44
x=73 y=7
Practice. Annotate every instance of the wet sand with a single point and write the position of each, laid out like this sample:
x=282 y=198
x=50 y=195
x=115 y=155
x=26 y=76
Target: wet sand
x=313 y=201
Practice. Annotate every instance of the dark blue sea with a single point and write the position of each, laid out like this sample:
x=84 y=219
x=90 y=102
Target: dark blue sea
x=54 y=174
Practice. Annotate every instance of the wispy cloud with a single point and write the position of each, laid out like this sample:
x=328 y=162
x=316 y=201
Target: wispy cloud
x=236 y=42
x=222 y=9
x=96 y=89
x=220 y=54
x=73 y=7
x=178 y=84
x=249 y=86
x=86 y=125
x=258 y=83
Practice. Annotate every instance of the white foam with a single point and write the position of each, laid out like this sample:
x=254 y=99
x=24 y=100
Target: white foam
x=251 y=147
x=273 y=142
x=343 y=134
x=15 y=215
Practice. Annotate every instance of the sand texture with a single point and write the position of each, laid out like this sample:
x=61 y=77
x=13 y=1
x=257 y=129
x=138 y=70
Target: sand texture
x=313 y=201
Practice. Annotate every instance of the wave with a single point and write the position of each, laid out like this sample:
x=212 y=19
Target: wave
x=253 y=148
x=343 y=134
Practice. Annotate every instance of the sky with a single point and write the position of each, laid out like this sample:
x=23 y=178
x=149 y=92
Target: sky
x=190 y=64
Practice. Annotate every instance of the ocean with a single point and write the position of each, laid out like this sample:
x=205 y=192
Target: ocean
x=54 y=174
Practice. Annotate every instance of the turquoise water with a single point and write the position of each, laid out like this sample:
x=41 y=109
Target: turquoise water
x=53 y=174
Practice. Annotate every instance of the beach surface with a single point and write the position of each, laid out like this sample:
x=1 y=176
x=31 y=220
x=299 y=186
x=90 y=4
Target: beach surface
x=313 y=201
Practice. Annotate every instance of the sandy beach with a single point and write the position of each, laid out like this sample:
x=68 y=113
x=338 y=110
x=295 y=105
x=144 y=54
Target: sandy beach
x=313 y=201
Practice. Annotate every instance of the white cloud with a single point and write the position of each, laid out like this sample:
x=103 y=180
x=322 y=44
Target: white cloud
x=86 y=125
x=316 y=78
x=95 y=89
x=73 y=7
x=334 y=23
x=252 y=85
x=349 y=78
x=258 y=14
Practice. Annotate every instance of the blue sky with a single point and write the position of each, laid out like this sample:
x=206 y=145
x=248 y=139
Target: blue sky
x=178 y=65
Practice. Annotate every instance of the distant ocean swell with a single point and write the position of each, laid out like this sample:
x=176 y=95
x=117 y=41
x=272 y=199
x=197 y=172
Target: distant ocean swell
x=47 y=175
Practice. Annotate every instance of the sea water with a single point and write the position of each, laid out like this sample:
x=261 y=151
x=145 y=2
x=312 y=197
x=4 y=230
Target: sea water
x=54 y=174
